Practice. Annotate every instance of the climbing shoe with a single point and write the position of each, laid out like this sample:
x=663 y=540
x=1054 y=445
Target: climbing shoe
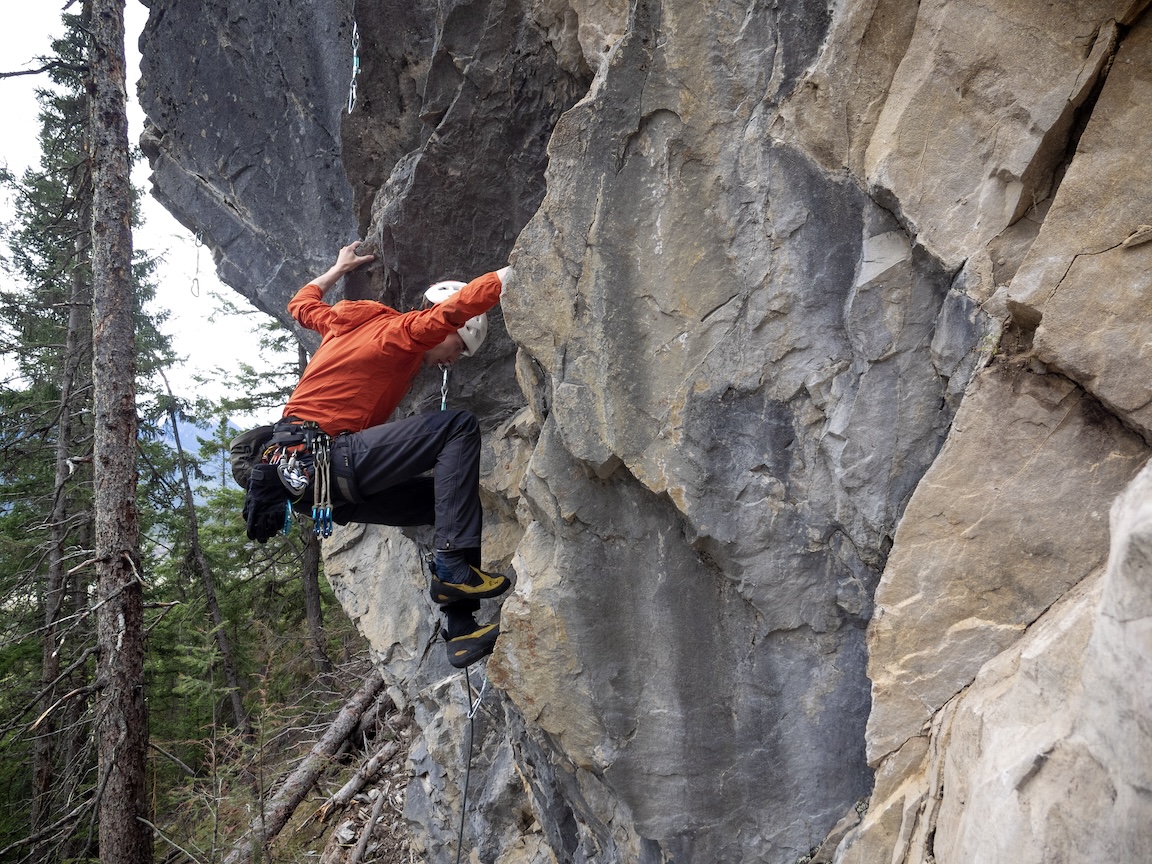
x=454 y=579
x=467 y=649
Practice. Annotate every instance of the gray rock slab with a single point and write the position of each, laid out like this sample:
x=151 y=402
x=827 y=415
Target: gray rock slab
x=983 y=102
x=243 y=135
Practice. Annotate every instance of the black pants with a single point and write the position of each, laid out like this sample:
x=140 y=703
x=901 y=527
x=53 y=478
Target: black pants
x=376 y=476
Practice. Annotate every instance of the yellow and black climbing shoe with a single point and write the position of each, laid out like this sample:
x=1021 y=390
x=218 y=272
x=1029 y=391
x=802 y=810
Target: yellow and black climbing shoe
x=480 y=586
x=467 y=649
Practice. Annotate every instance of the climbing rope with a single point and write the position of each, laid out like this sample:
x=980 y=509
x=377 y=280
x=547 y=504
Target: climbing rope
x=473 y=707
x=355 y=66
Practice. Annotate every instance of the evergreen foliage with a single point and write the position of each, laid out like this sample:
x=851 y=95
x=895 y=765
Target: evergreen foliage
x=206 y=768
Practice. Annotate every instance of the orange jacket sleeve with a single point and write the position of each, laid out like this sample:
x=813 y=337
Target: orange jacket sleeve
x=310 y=310
x=428 y=327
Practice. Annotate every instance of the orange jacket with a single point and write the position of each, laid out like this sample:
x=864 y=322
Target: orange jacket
x=370 y=353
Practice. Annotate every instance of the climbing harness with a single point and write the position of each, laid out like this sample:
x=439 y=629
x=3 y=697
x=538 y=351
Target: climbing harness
x=473 y=707
x=355 y=66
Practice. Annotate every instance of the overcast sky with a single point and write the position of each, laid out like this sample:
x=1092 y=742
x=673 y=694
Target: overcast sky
x=186 y=275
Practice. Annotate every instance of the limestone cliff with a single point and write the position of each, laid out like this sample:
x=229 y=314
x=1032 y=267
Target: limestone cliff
x=824 y=360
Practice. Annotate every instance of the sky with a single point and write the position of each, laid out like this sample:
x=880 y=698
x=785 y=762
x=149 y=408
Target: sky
x=186 y=275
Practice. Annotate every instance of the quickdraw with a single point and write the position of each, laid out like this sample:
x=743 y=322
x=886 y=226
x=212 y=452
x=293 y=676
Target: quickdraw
x=322 y=490
x=355 y=66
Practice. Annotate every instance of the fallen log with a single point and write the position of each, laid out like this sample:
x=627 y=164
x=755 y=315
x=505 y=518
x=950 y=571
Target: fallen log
x=356 y=782
x=366 y=834
x=279 y=809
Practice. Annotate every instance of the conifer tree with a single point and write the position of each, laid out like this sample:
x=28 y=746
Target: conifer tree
x=45 y=454
x=121 y=720
x=55 y=695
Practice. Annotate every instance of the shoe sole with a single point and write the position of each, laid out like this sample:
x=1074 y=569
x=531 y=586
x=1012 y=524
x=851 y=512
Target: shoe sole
x=466 y=650
x=450 y=592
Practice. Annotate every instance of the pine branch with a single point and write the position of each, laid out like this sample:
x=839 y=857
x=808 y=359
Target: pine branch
x=72 y=816
x=84 y=655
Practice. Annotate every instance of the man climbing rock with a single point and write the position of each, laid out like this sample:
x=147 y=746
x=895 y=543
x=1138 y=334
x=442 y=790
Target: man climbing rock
x=366 y=361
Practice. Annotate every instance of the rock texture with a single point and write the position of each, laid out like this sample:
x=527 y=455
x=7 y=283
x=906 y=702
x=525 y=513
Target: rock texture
x=1012 y=514
x=243 y=106
x=1045 y=756
x=821 y=365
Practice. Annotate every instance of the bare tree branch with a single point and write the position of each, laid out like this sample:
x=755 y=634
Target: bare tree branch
x=366 y=835
x=175 y=760
x=79 y=691
x=171 y=842
x=72 y=816
x=47 y=67
x=76 y=664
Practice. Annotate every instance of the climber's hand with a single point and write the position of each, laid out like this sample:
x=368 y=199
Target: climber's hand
x=348 y=259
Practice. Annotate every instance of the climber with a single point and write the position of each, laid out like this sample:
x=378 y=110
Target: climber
x=367 y=358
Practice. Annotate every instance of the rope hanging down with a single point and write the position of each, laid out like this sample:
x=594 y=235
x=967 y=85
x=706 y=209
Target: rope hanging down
x=473 y=707
x=355 y=66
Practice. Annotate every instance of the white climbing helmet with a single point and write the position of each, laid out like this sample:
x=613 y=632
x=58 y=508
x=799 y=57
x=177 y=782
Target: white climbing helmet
x=475 y=330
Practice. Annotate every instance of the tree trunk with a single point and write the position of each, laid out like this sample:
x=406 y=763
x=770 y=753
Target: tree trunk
x=357 y=781
x=121 y=720
x=313 y=612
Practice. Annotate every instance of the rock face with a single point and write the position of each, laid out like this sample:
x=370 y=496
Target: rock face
x=804 y=412
x=243 y=106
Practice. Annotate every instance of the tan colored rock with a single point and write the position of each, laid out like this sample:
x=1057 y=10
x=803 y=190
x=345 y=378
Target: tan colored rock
x=1008 y=740
x=1088 y=277
x=915 y=795
x=834 y=111
x=1010 y=516
x=979 y=111
x=901 y=814
x=581 y=31
x=1047 y=756
x=389 y=605
x=602 y=24
x=535 y=664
